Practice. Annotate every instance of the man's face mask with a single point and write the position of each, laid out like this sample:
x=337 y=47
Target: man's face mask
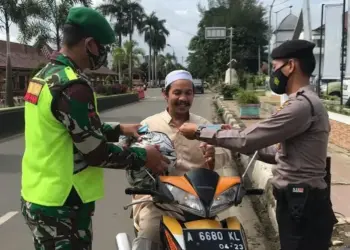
x=278 y=81
x=96 y=61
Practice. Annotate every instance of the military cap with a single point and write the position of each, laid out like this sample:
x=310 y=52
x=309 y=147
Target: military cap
x=293 y=49
x=92 y=24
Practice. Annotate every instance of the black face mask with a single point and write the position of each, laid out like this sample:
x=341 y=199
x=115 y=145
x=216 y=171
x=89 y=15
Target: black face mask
x=278 y=81
x=97 y=61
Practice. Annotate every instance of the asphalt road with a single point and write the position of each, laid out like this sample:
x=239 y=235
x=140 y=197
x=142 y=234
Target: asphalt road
x=110 y=218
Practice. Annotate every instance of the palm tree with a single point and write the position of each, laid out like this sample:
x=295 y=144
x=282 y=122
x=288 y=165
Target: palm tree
x=116 y=10
x=149 y=22
x=166 y=63
x=135 y=14
x=155 y=36
x=130 y=49
x=18 y=12
x=128 y=16
x=159 y=42
x=48 y=29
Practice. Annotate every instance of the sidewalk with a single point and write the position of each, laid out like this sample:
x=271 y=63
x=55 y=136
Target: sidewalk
x=340 y=166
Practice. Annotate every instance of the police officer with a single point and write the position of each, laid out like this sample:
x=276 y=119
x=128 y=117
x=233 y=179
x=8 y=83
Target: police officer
x=301 y=129
x=67 y=146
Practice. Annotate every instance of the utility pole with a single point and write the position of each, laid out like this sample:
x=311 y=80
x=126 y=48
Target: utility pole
x=231 y=36
x=269 y=45
x=259 y=60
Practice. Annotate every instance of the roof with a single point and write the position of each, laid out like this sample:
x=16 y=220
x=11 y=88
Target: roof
x=22 y=56
x=134 y=70
x=30 y=57
x=288 y=23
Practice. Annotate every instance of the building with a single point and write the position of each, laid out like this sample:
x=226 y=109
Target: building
x=285 y=30
x=25 y=59
x=316 y=38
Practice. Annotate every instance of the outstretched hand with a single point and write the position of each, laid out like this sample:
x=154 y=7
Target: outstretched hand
x=130 y=129
x=188 y=130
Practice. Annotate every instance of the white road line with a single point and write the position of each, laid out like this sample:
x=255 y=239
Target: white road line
x=7 y=216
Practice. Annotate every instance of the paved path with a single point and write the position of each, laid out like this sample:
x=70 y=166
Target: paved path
x=110 y=217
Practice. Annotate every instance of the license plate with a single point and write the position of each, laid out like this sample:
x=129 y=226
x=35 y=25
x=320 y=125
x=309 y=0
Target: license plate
x=213 y=239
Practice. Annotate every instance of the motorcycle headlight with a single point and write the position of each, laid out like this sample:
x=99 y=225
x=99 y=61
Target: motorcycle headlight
x=223 y=201
x=186 y=201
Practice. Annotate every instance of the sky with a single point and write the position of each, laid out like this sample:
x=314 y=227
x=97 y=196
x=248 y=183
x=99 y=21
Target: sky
x=182 y=18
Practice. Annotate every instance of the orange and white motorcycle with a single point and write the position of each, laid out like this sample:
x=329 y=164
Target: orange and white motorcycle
x=201 y=194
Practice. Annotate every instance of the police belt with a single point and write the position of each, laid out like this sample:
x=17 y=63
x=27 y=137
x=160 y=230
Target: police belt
x=311 y=192
x=297 y=197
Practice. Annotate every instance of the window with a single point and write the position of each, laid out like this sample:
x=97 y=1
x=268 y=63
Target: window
x=22 y=82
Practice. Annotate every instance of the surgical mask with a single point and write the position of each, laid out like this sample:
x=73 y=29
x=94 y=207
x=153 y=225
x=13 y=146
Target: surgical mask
x=278 y=81
x=97 y=61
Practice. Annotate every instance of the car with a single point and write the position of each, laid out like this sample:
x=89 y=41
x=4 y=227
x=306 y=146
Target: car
x=198 y=86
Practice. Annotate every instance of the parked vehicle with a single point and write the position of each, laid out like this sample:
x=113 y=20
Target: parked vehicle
x=198 y=86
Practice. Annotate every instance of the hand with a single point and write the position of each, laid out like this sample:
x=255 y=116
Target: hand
x=188 y=130
x=226 y=126
x=155 y=160
x=209 y=154
x=130 y=129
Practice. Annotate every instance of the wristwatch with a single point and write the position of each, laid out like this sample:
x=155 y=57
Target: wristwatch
x=198 y=131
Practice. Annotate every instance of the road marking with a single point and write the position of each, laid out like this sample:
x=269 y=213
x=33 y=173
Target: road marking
x=7 y=216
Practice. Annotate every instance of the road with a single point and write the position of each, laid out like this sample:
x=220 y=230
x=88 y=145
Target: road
x=110 y=218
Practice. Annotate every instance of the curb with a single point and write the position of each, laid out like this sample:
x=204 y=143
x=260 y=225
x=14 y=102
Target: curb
x=258 y=175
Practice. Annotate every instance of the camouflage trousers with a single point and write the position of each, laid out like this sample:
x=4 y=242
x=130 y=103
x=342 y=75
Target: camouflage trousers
x=59 y=228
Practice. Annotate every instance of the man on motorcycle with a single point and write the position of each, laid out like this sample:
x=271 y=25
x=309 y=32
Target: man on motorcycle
x=179 y=94
x=301 y=129
x=66 y=144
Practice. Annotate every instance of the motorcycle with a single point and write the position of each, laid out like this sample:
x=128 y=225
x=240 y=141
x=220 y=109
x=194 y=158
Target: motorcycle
x=201 y=194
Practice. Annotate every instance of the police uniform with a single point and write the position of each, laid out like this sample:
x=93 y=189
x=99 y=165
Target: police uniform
x=298 y=133
x=64 y=139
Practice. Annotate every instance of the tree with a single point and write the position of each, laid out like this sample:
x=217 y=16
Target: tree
x=122 y=55
x=128 y=15
x=18 y=12
x=166 y=63
x=116 y=10
x=210 y=57
x=155 y=36
x=48 y=29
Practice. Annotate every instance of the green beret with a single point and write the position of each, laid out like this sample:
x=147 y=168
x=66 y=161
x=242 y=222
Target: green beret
x=293 y=49
x=92 y=24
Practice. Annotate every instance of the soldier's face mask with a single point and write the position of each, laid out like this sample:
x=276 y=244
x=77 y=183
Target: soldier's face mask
x=279 y=81
x=96 y=61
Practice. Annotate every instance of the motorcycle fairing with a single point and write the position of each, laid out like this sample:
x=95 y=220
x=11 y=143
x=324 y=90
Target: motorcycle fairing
x=172 y=229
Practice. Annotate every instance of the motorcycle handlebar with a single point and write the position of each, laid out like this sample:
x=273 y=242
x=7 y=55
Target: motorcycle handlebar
x=254 y=191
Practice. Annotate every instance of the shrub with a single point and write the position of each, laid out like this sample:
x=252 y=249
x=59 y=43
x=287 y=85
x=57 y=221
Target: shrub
x=116 y=89
x=109 y=89
x=101 y=89
x=248 y=97
x=229 y=90
x=123 y=88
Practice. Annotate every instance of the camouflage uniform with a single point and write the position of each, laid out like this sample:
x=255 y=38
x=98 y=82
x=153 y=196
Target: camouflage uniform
x=70 y=226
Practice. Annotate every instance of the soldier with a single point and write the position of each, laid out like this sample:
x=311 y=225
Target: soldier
x=67 y=146
x=301 y=127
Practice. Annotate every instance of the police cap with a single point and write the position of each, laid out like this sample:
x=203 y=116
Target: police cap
x=293 y=49
x=92 y=24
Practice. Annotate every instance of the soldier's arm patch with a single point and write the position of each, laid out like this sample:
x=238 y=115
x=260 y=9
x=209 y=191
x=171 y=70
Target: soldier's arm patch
x=33 y=92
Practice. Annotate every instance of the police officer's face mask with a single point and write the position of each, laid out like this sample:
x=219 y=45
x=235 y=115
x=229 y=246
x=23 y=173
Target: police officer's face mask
x=96 y=61
x=279 y=81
